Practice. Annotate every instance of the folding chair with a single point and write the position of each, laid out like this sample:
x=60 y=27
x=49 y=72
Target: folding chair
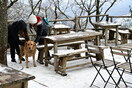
x=123 y=66
x=102 y=63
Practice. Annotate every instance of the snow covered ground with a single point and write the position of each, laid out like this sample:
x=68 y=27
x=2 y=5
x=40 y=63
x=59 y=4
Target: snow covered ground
x=80 y=77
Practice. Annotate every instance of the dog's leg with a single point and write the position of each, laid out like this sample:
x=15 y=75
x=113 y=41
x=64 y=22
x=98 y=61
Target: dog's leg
x=34 y=61
x=27 y=61
x=21 y=53
x=20 y=58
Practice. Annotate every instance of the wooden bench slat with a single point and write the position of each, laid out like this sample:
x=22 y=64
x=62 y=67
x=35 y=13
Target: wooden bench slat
x=121 y=31
x=70 y=53
x=125 y=65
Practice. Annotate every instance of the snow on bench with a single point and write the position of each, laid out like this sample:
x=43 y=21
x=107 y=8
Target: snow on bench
x=70 y=53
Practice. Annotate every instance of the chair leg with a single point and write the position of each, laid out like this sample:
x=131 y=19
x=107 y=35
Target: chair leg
x=98 y=72
x=121 y=74
x=110 y=76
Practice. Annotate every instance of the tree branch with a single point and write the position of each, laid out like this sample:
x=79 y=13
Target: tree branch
x=12 y=3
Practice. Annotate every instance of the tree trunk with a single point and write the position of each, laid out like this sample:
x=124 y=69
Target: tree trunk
x=3 y=32
x=97 y=10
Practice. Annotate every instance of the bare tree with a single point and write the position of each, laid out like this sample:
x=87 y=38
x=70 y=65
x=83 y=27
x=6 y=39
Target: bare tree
x=3 y=32
x=92 y=7
x=130 y=10
x=62 y=8
x=46 y=6
x=18 y=11
x=57 y=5
x=34 y=6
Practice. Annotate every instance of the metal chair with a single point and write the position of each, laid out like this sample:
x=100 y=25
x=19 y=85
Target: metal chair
x=125 y=66
x=102 y=64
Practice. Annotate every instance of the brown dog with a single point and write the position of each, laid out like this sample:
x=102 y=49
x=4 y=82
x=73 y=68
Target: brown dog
x=28 y=50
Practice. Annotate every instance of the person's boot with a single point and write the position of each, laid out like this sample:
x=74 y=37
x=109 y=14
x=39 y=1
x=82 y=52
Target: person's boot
x=23 y=59
x=41 y=62
x=13 y=60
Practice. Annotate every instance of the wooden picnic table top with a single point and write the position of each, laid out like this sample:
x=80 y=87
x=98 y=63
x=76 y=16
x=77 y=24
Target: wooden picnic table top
x=10 y=76
x=106 y=24
x=77 y=36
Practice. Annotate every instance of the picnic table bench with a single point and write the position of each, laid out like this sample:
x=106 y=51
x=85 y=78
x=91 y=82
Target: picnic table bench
x=74 y=45
x=64 y=57
x=123 y=32
x=11 y=78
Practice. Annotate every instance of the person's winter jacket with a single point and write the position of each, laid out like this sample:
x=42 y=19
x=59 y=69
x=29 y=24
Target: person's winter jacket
x=15 y=30
x=42 y=30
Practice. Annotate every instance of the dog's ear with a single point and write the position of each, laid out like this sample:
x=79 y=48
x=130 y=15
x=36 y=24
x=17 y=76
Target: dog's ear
x=34 y=43
x=25 y=43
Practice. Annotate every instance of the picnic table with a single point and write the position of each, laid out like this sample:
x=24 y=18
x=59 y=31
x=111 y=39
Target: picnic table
x=106 y=26
x=60 y=29
x=11 y=78
x=67 y=38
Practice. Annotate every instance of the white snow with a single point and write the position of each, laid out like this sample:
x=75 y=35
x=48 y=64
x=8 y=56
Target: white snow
x=80 y=77
x=60 y=26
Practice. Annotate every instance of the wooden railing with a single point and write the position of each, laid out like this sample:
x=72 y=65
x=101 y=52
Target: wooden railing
x=112 y=17
x=76 y=20
x=89 y=16
x=55 y=20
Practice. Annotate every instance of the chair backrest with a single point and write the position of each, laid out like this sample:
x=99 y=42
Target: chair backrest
x=93 y=50
x=124 y=52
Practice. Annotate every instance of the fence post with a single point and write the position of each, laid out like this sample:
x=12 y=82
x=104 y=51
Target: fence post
x=76 y=24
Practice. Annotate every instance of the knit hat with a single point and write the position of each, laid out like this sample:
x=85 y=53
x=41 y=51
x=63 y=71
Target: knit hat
x=32 y=19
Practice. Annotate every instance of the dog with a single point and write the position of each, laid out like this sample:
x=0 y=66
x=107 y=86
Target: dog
x=28 y=50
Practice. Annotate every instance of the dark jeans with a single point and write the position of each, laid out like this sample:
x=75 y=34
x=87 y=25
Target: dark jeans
x=13 y=48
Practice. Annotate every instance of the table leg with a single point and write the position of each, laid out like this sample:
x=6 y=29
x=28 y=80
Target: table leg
x=98 y=57
x=55 y=32
x=25 y=84
x=86 y=43
x=68 y=30
x=46 y=53
x=106 y=37
x=55 y=59
x=116 y=42
x=97 y=41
